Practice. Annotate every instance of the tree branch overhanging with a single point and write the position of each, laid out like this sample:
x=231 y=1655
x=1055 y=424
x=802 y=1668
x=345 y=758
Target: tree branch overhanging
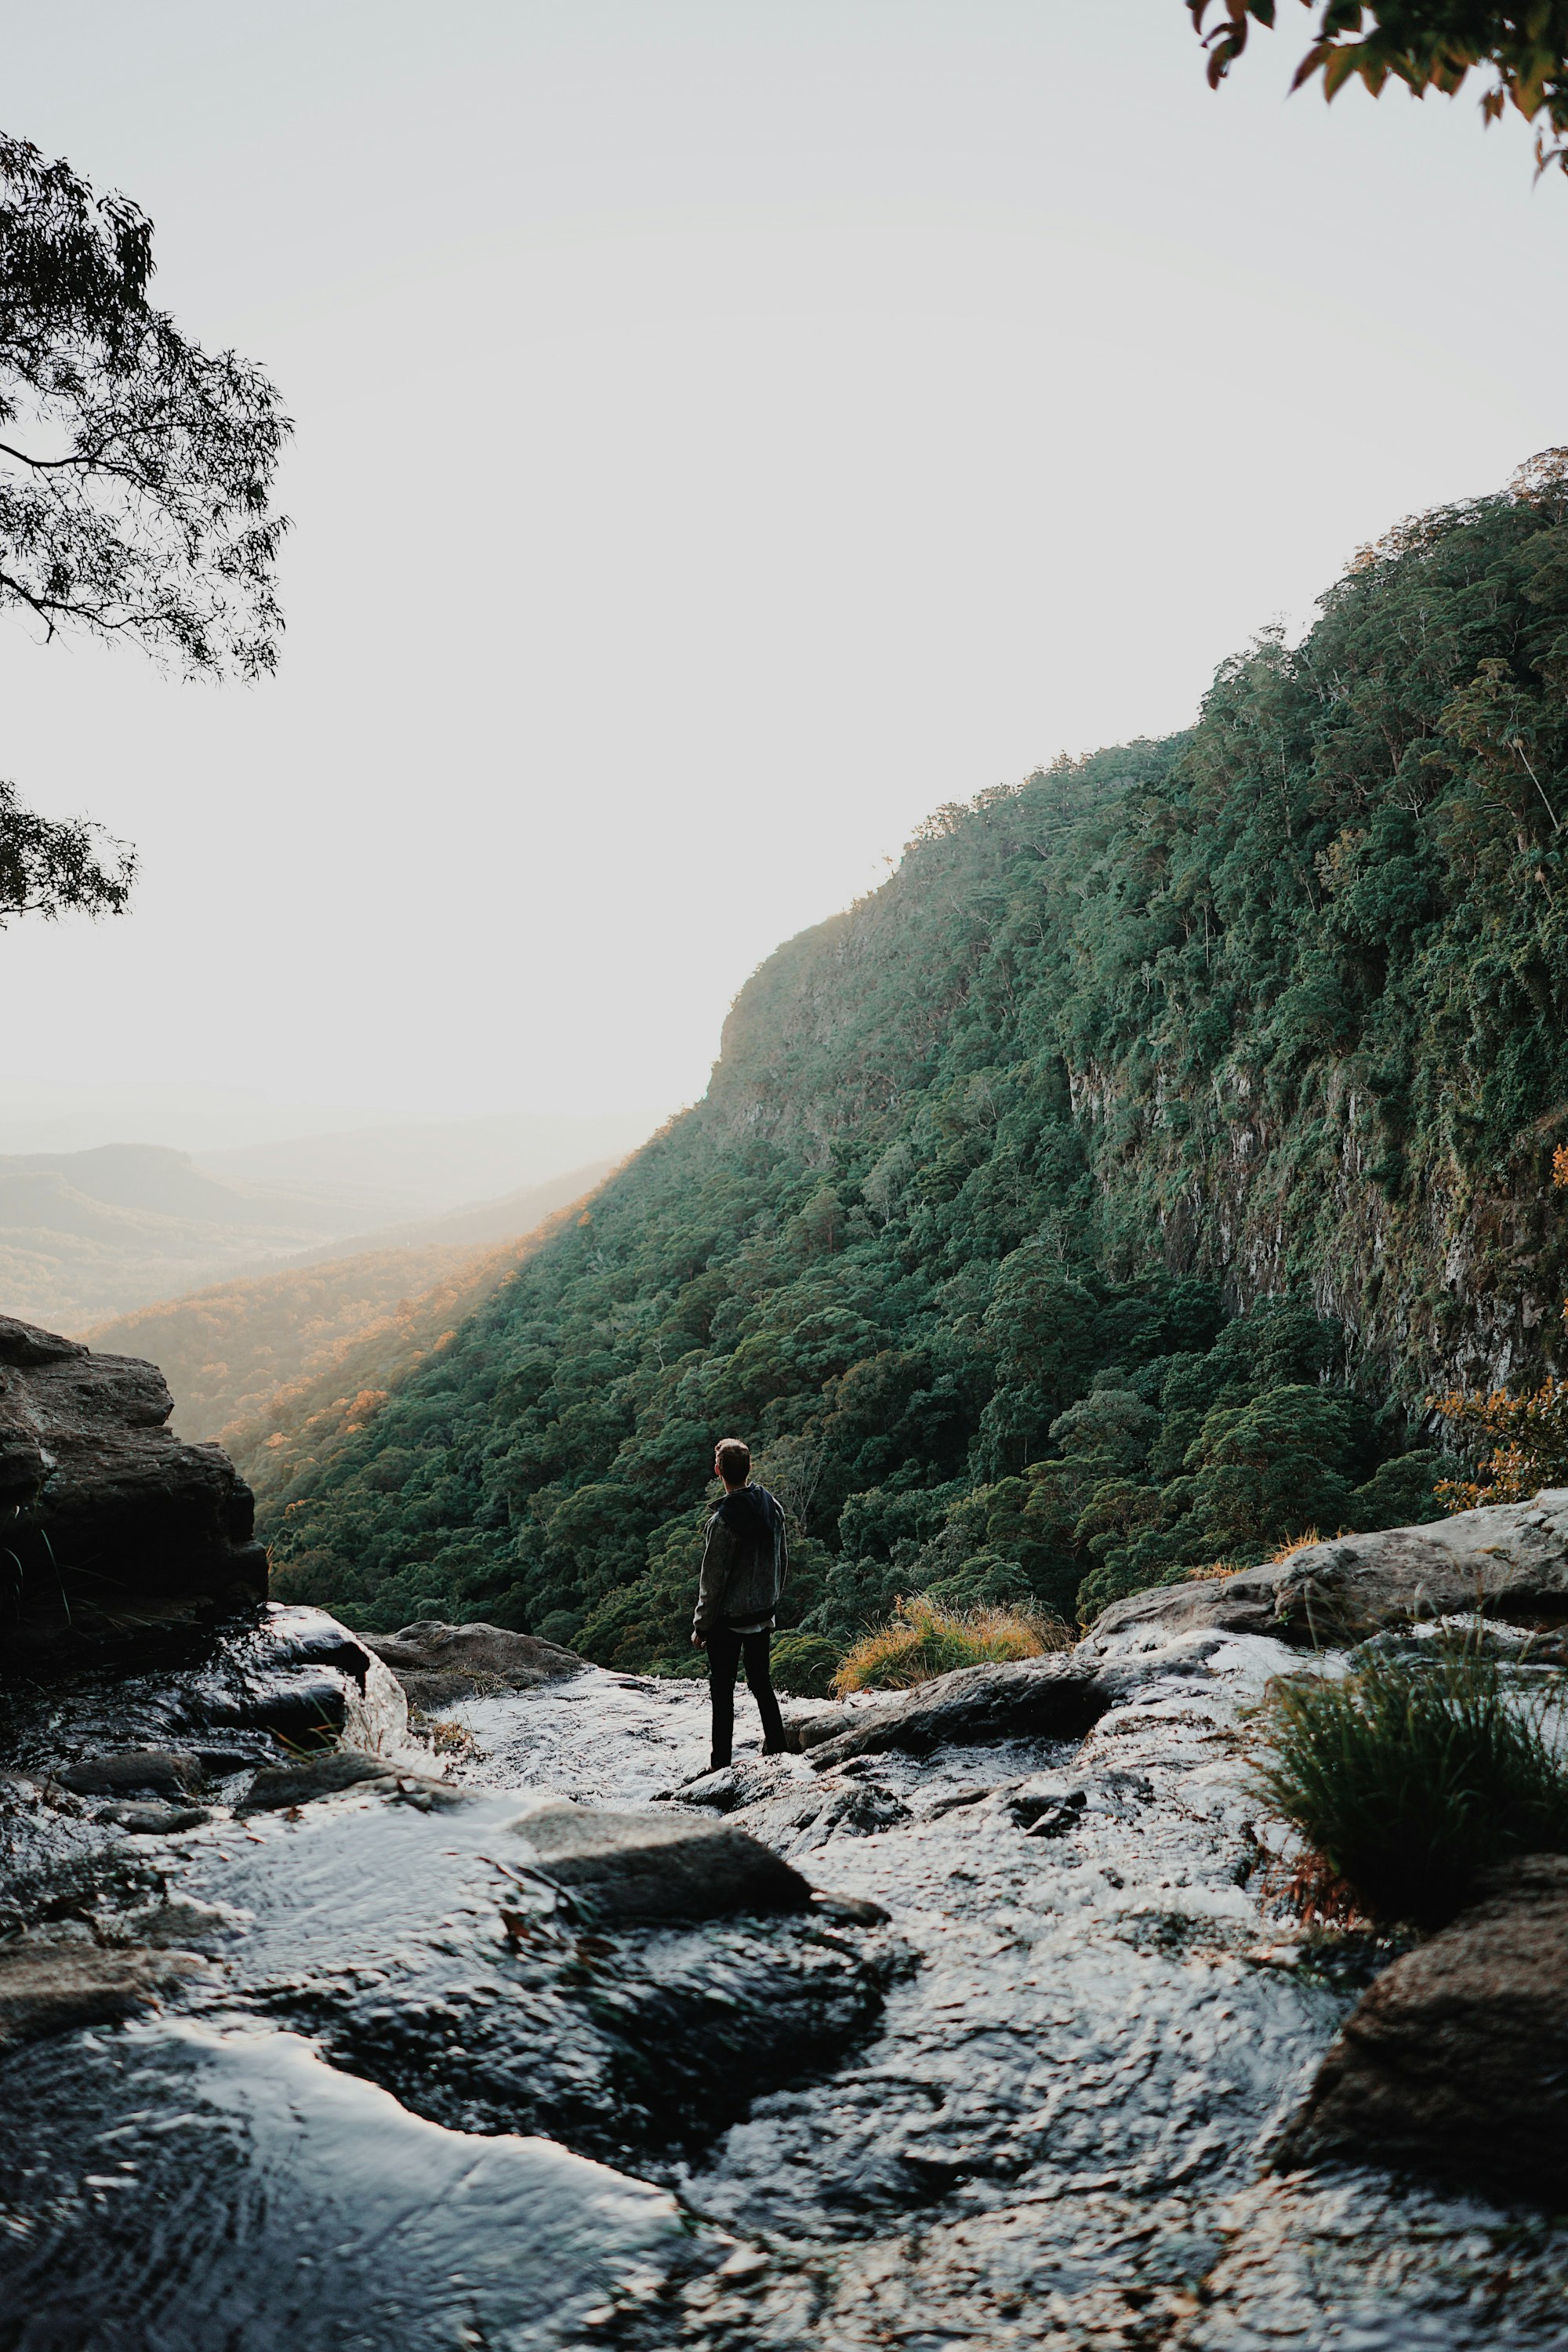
x=1520 y=49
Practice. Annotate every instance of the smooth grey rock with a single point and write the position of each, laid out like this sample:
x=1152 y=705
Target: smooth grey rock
x=854 y=1910
x=750 y=1781
x=153 y=1819
x=438 y=1664
x=123 y=1534
x=278 y=1786
x=619 y=1866
x=1054 y=1697
x=1456 y=2060
x=719 y=1790
x=1510 y=1559
x=954 y=1801
x=168 y=1772
x=805 y=1729
x=54 y=1982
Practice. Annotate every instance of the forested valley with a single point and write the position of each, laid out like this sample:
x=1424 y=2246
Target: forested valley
x=1102 y=1198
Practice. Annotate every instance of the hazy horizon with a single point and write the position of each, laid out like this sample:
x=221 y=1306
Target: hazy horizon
x=212 y=1122
x=725 y=433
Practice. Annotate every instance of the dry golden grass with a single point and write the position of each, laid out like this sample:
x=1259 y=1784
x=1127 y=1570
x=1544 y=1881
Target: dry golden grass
x=1303 y=1542
x=922 y=1639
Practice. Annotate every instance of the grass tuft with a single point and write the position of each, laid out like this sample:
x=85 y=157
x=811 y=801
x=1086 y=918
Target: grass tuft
x=921 y=1639
x=1410 y=1775
x=803 y=1664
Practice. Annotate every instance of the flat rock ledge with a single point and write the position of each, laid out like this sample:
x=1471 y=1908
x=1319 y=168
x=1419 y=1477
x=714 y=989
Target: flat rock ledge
x=122 y=1534
x=1455 y=2061
x=1510 y=1560
x=438 y=1664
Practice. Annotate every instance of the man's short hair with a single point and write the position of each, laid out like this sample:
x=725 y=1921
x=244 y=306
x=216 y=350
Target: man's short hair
x=733 y=1456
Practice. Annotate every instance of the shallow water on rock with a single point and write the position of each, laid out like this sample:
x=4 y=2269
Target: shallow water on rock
x=1058 y=2134
x=194 y=2186
x=1033 y=2108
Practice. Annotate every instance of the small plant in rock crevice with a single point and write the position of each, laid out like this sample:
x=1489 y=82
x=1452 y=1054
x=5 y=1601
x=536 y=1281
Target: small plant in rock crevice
x=1408 y=1777
x=446 y=1737
x=921 y=1639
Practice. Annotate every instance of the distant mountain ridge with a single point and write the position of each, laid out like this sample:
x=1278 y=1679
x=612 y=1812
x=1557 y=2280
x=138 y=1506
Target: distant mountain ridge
x=83 y=1233
x=481 y=1222
x=425 y=1168
x=251 y=1362
x=88 y=1236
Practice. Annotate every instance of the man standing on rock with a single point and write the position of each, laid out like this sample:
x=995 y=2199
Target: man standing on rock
x=745 y=1560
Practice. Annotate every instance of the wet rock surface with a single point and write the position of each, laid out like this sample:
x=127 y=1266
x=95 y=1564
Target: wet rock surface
x=1060 y=2132
x=1015 y=2082
x=295 y=1681
x=277 y=1787
x=1455 y=2061
x=390 y=1987
x=1511 y=1561
x=191 y=2186
x=118 y=1533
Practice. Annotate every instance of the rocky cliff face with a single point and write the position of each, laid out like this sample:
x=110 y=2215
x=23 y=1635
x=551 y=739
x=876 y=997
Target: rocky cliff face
x=1455 y=1278
x=114 y=1531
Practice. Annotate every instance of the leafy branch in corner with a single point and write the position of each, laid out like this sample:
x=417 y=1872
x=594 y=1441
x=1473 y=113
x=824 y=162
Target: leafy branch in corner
x=1424 y=44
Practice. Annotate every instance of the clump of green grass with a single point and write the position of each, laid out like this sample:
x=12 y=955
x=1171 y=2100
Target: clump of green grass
x=921 y=1639
x=805 y=1664
x=1410 y=1775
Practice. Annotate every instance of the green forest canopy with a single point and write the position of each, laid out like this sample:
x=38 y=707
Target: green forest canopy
x=1098 y=1199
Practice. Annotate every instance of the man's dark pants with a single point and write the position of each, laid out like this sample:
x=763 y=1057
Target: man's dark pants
x=726 y=1651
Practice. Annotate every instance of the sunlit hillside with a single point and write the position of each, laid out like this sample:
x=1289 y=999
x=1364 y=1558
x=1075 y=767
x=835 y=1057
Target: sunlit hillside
x=1100 y=1199
x=279 y=1367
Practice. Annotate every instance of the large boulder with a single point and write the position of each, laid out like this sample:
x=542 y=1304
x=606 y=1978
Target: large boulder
x=1510 y=1560
x=1457 y=2059
x=1054 y=1697
x=623 y=1865
x=120 y=1531
x=438 y=1664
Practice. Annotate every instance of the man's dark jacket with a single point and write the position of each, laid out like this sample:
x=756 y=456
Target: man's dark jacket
x=745 y=1560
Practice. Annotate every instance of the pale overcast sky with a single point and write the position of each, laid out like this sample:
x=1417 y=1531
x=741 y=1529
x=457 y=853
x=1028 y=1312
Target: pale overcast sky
x=726 y=430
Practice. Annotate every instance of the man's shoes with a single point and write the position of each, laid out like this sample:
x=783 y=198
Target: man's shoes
x=721 y=1764
x=774 y=1747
